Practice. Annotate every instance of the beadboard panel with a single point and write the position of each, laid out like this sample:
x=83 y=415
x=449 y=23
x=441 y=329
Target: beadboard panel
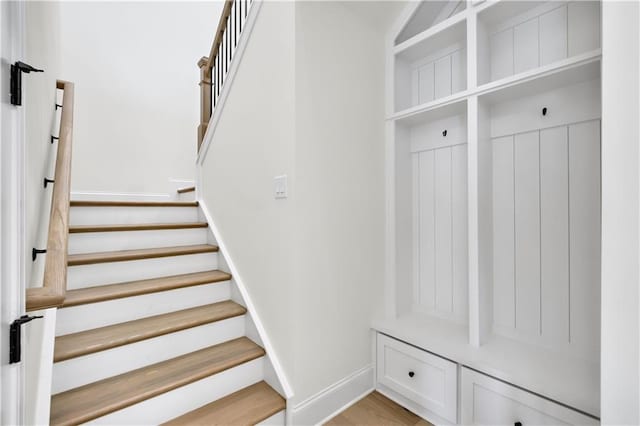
x=503 y=233
x=440 y=231
x=546 y=229
x=527 y=232
x=585 y=222
x=541 y=36
x=426 y=230
x=460 y=243
x=438 y=76
x=443 y=234
x=554 y=241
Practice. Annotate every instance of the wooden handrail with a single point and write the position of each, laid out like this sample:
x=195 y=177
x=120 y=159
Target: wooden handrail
x=222 y=25
x=213 y=68
x=53 y=291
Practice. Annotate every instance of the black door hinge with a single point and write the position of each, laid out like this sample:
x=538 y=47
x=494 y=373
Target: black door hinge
x=15 y=346
x=16 y=80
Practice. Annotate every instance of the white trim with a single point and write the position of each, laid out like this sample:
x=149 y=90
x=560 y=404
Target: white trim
x=336 y=398
x=226 y=88
x=237 y=277
x=117 y=196
x=12 y=213
x=402 y=20
x=40 y=338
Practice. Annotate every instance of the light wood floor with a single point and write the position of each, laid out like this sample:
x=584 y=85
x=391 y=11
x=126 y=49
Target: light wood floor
x=376 y=409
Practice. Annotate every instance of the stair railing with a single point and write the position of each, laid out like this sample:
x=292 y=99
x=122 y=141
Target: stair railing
x=215 y=67
x=54 y=288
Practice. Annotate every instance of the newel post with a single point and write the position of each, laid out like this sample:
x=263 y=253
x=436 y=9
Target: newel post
x=205 y=98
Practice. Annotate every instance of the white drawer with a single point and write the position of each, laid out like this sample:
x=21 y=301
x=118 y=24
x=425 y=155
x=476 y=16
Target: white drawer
x=486 y=401
x=426 y=379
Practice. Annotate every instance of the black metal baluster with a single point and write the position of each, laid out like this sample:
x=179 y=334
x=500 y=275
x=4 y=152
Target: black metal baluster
x=213 y=82
x=221 y=64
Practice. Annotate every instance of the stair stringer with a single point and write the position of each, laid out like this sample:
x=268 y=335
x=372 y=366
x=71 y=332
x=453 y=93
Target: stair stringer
x=226 y=88
x=274 y=374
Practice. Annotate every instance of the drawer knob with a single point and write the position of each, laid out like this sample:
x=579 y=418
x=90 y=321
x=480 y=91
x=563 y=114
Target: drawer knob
x=444 y=133
x=411 y=374
x=517 y=424
x=544 y=112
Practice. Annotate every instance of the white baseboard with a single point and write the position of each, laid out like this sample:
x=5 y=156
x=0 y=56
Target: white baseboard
x=117 y=196
x=336 y=398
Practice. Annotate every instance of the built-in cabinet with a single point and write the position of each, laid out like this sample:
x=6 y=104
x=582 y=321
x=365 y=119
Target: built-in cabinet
x=493 y=171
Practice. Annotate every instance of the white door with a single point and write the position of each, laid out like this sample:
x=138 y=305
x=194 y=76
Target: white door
x=12 y=267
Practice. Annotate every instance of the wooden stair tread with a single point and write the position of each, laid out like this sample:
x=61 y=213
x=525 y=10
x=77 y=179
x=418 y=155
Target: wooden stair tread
x=186 y=189
x=77 y=229
x=97 y=399
x=247 y=406
x=83 y=203
x=102 y=293
x=124 y=255
x=103 y=338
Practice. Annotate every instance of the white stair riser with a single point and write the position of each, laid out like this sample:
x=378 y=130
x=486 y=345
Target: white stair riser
x=94 y=315
x=187 y=196
x=91 y=242
x=278 y=419
x=82 y=276
x=123 y=215
x=187 y=398
x=82 y=370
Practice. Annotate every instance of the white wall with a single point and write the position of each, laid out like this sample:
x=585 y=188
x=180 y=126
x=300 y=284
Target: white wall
x=620 y=368
x=313 y=263
x=137 y=93
x=42 y=50
x=253 y=142
x=339 y=193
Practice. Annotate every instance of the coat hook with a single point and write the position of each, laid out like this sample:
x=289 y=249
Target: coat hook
x=48 y=181
x=54 y=138
x=544 y=111
x=444 y=133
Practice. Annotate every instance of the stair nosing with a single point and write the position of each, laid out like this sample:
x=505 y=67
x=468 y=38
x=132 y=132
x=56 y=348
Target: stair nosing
x=83 y=229
x=88 y=203
x=136 y=288
x=138 y=254
x=247 y=354
x=140 y=334
x=187 y=418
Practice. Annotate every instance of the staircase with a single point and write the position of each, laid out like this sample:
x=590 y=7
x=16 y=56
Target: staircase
x=151 y=330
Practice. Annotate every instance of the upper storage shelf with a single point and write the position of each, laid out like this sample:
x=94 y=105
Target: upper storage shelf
x=426 y=15
x=518 y=36
x=431 y=65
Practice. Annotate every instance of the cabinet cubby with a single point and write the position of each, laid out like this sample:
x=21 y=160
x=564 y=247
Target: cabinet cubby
x=428 y=14
x=514 y=37
x=431 y=162
x=431 y=67
x=542 y=153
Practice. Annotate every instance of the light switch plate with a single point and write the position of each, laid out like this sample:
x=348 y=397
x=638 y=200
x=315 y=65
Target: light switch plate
x=280 y=186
